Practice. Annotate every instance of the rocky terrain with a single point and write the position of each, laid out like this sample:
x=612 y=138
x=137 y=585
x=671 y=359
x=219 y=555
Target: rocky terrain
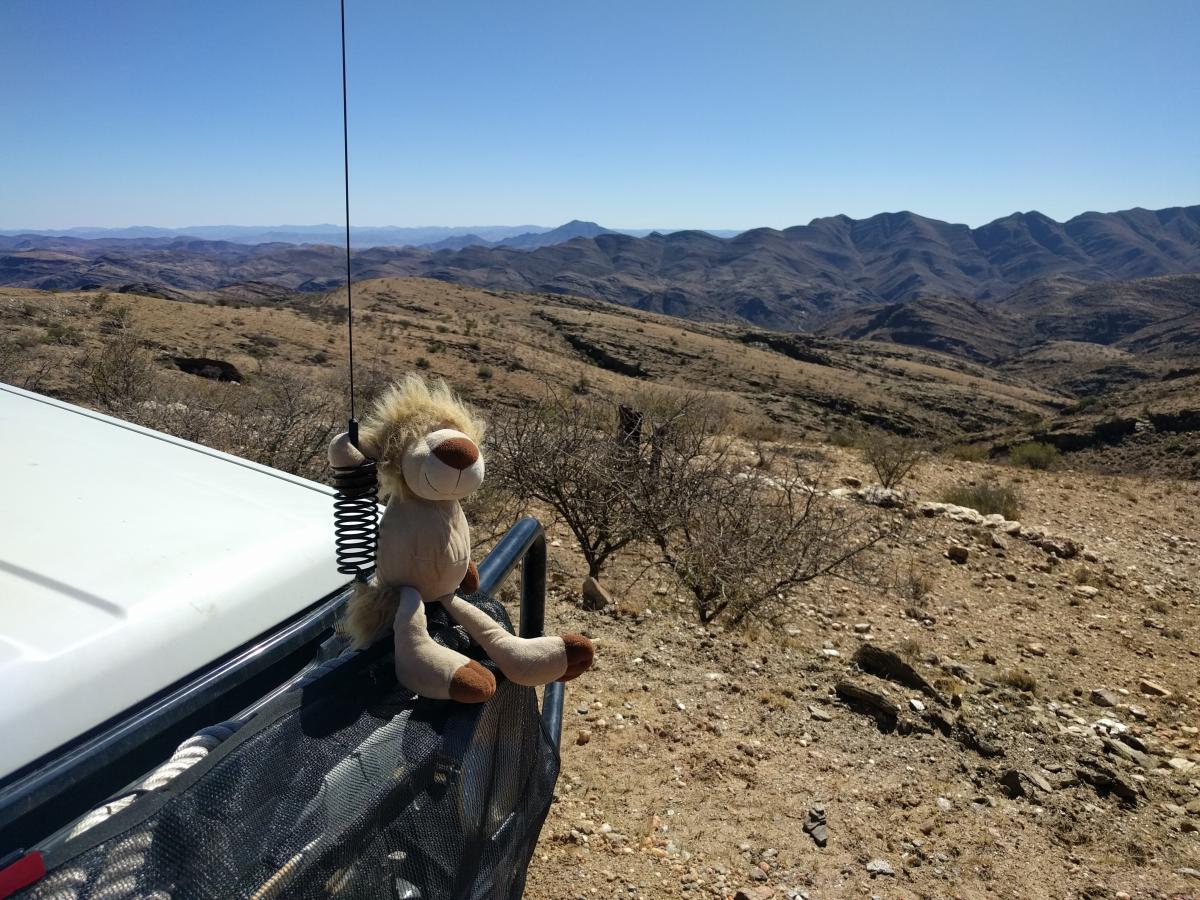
x=1015 y=715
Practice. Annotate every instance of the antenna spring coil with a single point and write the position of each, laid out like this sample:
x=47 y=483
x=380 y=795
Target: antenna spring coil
x=356 y=518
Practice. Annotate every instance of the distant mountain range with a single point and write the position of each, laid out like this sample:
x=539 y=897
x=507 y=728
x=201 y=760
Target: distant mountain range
x=529 y=240
x=801 y=277
x=808 y=277
x=437 y=237
x=360 y=236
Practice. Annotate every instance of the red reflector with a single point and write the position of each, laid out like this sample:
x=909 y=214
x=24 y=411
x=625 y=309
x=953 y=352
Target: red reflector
x=24 y=872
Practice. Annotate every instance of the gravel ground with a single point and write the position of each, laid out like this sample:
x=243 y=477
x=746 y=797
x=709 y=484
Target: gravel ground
x=1070 y=762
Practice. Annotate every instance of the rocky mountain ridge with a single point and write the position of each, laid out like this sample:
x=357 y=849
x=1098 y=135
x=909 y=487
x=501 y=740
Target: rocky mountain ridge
x=798 y=278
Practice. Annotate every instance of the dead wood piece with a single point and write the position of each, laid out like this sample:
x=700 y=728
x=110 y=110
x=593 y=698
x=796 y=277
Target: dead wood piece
x=888 y=664
x=857 y=697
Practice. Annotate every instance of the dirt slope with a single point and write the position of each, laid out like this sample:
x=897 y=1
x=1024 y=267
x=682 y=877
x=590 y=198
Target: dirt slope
x=703 y=751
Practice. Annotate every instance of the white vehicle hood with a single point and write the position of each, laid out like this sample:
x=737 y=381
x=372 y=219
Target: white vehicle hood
x=129 y=559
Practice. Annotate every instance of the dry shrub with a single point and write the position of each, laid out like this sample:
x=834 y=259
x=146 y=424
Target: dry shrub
x=121 y=375
x=21 y=368
x=740 y=542
x=278 y=418
x=491 y=510
x=1034 y=455
x=289 y=421
x=909 y=650
x=969 y=452
x=915 y=582
x=737 y=541
x=892 y=456
x=563 y=451
x=63 y=333
x=845 y=437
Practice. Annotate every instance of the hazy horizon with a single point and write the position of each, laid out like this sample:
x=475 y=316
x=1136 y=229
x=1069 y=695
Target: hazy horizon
x=364 y=226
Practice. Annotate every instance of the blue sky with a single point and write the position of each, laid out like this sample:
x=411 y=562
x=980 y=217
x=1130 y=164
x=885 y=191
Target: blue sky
x=632 y=113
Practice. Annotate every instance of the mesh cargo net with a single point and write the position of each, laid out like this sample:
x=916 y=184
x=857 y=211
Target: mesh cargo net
x=346 y=786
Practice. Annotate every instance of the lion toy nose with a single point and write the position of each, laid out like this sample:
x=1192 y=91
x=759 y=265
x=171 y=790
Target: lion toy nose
x=458 y=453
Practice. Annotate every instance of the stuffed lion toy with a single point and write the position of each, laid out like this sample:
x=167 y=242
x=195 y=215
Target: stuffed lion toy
x=425 y=442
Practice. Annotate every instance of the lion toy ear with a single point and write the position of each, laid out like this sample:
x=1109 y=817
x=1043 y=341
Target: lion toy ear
x=343 y=454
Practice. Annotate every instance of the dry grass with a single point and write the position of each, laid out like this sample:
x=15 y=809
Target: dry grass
x=1034 y=455
x=969 y=452
x=1019 y=679
x=989 y=498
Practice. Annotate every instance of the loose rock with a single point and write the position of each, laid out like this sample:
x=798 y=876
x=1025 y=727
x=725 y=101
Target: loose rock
x=1123 y=750
x=1019 y=782
x=877 y=867
x=595 y=597
x=816 y=827
x=888 y=664
x=1152 y=688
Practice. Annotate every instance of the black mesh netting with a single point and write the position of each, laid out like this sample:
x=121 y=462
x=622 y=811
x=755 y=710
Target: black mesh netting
x=346 y=787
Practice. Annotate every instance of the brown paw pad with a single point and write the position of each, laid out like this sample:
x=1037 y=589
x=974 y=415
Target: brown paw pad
x=580 y=653
x=472 y=683
x=470 y=582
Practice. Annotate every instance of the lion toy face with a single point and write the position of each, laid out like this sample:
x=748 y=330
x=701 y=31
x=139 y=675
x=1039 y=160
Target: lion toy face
x=442 y=465
x=424 y=439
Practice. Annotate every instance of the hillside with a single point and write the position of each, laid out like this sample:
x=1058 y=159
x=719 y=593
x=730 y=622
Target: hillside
x=1149 y=317
x=508 y=345
x=798 y=278
x=528 y=240
x=1112 y=408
